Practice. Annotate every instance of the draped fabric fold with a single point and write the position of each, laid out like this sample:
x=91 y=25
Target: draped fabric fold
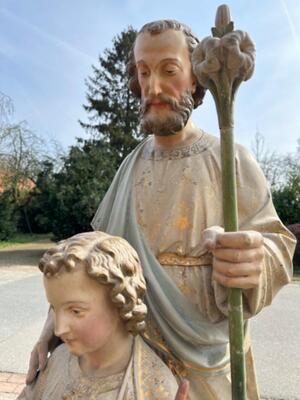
x=189 y=335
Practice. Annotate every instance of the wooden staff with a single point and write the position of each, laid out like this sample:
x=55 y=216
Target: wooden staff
x=221 y=63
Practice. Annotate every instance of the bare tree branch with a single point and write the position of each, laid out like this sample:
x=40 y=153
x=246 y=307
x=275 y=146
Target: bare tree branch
x=272 y=163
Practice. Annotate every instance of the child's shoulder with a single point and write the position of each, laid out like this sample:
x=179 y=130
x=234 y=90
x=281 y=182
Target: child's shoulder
x=156 y=378
x=60 y=351
x=62 y=363
x=49 y=376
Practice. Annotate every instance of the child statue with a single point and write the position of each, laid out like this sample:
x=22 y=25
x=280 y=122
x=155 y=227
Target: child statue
x=95 y=287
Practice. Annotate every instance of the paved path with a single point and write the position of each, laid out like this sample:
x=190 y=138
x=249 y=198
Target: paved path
x=22 y=312
x=11 y=384
x=276 y=342
x=23 y=254
x=275 y=331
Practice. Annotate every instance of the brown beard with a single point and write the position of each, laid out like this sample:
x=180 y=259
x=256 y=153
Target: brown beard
x=170 y=124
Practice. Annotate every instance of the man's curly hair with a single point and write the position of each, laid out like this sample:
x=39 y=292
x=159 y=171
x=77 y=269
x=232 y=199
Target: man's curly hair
x=109 y=260
x=155 y=28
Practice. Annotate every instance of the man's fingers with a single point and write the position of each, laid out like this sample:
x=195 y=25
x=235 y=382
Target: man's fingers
x=210 y=236
x=239 y=256
x=31 y=374
x=33 y=366
x=182 y=393
x=233 y=270
x=42 y=355
x=38 y=361
x=239 y=240
x=215 y=237
x=240 y=282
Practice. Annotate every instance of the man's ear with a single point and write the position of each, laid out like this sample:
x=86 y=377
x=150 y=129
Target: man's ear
x=194 y=88
x=194 y=84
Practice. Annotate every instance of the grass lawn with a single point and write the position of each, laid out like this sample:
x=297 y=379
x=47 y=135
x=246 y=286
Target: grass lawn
x=22 y=238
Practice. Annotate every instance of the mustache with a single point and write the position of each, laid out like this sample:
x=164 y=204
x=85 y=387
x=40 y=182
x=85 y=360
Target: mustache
x=182 y=109
x=161 y=98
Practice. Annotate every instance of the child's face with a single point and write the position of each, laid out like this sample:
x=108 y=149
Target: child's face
x=85 y=318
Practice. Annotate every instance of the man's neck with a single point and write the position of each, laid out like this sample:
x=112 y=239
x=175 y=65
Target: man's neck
x=185 y=136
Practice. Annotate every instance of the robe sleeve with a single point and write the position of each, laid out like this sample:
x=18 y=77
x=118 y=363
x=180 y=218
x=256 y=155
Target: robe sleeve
x=256 y=212
x=35 y=390
x=48 y=376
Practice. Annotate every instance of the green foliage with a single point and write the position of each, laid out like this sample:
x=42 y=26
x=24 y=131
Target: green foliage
x=64 y=202
x=287 y=201
x=8 y=216
x=42 y=201
x=113 y=112
x=295 y=229
x=283 y=175
x=286 y=196
x=85 y=178
x=24 y=238
x=21 y=159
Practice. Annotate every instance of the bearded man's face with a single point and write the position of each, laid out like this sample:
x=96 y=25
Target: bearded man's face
x=166 y=80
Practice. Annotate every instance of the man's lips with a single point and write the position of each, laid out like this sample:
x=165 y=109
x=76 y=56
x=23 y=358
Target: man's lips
x=159 y=105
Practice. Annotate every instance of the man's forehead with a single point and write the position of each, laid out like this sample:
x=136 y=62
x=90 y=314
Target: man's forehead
x=168 y=43
x=171 y=60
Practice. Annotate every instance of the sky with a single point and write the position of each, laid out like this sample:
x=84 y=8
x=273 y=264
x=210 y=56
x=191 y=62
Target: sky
x=47 y=49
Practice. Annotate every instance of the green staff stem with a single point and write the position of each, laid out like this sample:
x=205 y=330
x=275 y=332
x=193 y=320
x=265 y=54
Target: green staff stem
x=224 y=99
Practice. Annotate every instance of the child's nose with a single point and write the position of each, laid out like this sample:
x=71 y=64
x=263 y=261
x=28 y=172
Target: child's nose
x=60 y=326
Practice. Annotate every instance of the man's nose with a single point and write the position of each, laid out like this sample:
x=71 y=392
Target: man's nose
x=60 y=325
x=154 y=85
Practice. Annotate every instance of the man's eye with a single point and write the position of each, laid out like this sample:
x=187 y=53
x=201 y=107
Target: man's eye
x=75 y=311
x=171 y=71
x=143 y=73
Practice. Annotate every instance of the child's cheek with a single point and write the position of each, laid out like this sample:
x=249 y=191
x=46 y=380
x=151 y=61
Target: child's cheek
x=94 y=331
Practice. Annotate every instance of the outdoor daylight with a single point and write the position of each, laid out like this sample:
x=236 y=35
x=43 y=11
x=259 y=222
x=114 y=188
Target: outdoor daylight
x=149 y=200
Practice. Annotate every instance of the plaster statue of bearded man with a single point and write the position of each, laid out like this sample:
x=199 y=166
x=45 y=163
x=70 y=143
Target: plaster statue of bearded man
x=166 y=200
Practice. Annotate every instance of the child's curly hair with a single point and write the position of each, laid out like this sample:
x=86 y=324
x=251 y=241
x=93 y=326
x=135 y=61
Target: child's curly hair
x=109 y=260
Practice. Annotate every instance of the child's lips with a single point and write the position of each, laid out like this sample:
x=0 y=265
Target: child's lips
x=69 y=340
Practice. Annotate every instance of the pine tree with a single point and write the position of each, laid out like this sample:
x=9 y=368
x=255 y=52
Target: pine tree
x=113 y=112
x=65 y=201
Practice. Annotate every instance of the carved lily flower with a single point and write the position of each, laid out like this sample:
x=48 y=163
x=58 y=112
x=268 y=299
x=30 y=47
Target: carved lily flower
x=205 y=60
x=231 y=51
